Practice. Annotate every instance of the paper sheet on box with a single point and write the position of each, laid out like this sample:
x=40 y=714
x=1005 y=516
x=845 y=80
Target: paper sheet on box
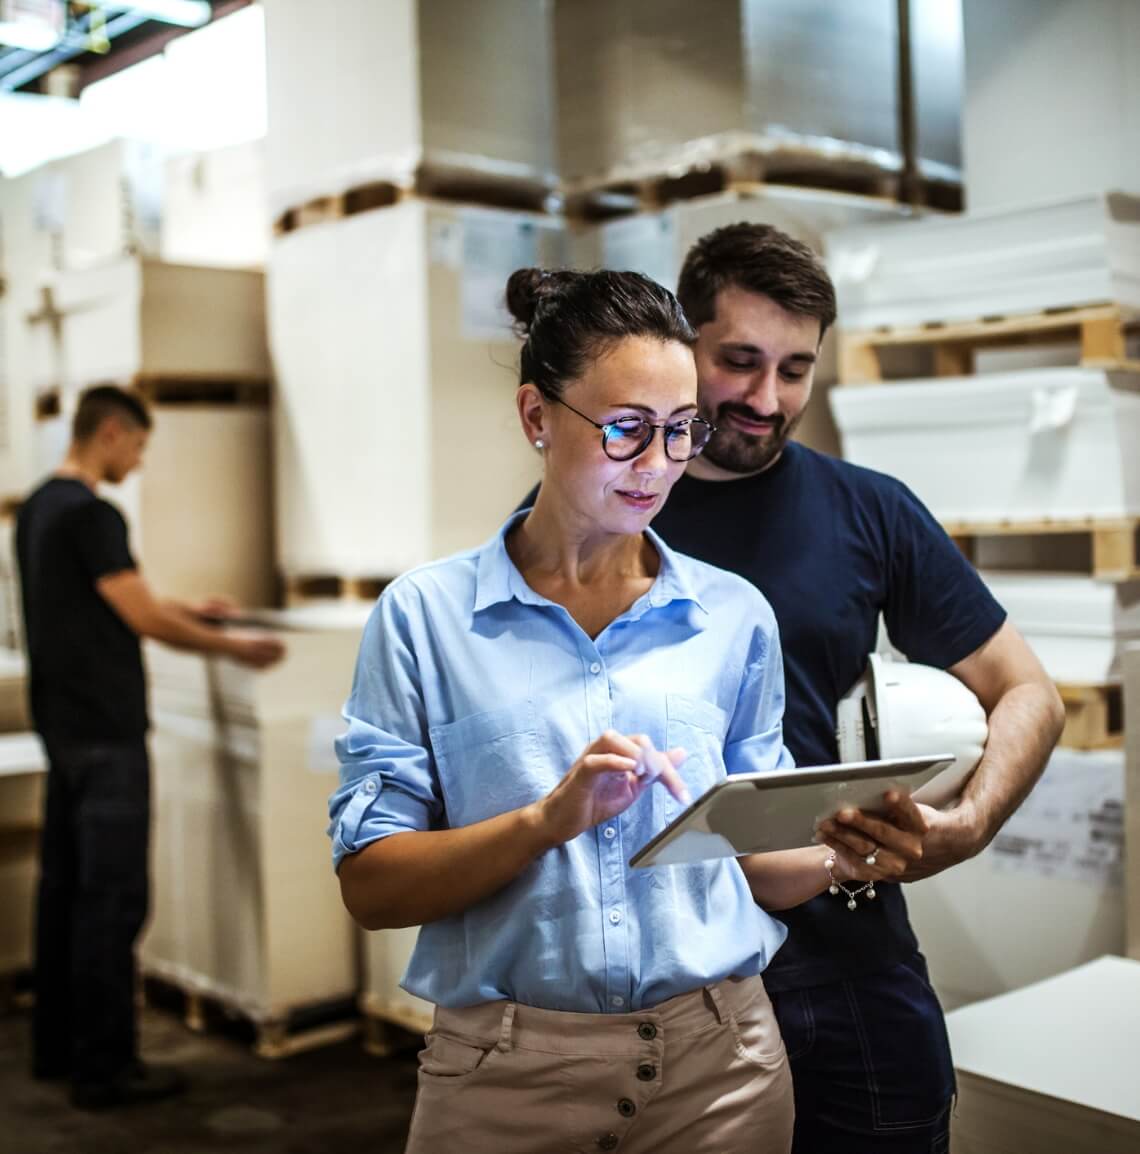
x=1072 y=824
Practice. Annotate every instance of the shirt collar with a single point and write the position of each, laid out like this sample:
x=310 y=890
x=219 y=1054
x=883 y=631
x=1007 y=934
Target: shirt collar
x=497 y=580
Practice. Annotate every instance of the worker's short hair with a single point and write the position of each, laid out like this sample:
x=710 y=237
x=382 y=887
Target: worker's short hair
x=103 y=401
x=757 y=258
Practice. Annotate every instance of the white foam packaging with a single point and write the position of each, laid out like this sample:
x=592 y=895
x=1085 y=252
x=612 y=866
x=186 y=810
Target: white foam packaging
x=374 y=89
x=1077 y=626
x=1056 y=443
x=1050 y=1068
x=1037 y=256
x=246 y=905
x=396 y=435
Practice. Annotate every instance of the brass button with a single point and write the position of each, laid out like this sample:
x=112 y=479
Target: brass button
x=647 y=1031
x=608 y=1141
x=626 y=1108
x=646 y=1072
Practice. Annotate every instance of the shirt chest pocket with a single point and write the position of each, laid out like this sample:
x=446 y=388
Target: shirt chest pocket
x=490 y=763
x=699 y=727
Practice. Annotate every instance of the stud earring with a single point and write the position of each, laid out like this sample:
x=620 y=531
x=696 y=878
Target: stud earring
x=540 y=444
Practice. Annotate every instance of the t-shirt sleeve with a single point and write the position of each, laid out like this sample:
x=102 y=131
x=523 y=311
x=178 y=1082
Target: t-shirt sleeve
x=100 y=536
x=938 y=610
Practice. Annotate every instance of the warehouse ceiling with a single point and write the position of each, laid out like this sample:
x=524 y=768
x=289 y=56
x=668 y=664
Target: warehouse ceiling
x=65 y=46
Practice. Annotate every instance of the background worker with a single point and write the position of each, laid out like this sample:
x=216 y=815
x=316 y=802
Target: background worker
x=86 y=607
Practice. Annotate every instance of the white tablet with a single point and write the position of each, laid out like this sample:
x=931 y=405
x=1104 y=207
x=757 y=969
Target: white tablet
x=757 y=812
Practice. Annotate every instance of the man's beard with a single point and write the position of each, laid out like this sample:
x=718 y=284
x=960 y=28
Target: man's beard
x=738 y=452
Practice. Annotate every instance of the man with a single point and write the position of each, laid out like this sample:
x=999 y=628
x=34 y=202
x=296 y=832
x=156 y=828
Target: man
x=832 y=545
x=85 y=608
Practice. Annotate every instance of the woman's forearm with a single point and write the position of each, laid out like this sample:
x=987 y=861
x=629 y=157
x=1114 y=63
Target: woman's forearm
x=787 y=878
x=408 y=879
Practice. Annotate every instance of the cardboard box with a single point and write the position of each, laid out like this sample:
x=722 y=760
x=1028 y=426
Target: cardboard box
x=1049 y=1069
x=386 y=957
x=246 y=904
x=1026 y=135
x=645 y=86
x=396 y=435
x=991 y=924
x=22 y=769
x=376 y=89
x=1019 y=447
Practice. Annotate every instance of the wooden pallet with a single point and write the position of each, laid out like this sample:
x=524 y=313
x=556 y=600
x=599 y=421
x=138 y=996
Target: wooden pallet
x=325 y=587
x=390 y=1027
x=748 y=170
x=292 y=1032
x=1101 y=329
x=1094 y=716
x=1114 y=544
x=452 y=184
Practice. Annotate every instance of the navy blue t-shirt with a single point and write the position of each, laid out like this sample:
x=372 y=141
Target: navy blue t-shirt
x=831 y=545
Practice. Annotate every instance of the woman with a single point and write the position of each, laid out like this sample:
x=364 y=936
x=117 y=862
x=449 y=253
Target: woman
x=506 y=703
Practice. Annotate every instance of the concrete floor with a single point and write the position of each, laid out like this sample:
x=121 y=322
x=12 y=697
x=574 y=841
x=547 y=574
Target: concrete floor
x=334 y=1099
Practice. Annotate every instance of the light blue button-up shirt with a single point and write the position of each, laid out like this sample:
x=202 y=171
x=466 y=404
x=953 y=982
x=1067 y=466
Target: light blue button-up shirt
x=474 y=695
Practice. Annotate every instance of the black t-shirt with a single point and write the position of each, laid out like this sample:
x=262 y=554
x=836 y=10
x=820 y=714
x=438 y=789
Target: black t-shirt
x=831 y=545
x=84 y=663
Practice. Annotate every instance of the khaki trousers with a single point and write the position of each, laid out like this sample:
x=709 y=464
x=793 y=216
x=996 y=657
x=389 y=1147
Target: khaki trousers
x=703 y=1073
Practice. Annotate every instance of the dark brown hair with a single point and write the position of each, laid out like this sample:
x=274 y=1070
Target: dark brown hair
x=759 y=259
x=103 y=401
x=566 y=319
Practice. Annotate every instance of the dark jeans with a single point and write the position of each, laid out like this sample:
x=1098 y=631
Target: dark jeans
x=92 y=905
x=871 y=1065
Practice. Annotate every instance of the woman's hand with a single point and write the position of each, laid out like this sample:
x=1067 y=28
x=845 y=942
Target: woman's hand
x=893 y=841
x=613 y=771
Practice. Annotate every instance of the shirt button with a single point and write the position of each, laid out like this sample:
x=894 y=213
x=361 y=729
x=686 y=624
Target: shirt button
x=615 y=917
x=626 y=1108
x=647 y=1031
x=608 y=1141
x=609 y=833
x=370 y=787
x=646 y=1072
x=617 y=1000
x=596 y=667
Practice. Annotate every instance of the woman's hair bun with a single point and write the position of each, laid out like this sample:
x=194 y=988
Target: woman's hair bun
x=525 y=289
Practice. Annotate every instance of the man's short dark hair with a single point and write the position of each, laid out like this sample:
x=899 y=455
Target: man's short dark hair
x=103 y=401
x=759 y=259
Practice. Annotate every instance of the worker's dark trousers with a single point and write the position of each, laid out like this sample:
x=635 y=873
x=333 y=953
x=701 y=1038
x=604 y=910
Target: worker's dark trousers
x=92 y=905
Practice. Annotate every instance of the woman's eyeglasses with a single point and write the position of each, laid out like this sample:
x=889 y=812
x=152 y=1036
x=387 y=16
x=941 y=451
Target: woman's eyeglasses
x=629 y=437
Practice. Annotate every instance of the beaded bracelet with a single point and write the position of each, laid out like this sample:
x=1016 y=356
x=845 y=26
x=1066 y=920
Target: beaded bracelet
x=867 y=887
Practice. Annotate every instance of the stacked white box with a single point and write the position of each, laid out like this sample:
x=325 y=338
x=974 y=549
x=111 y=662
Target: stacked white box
x=1029 y=446
x=1043 y=256
x=376 y=88
x=1051 y=101
x=386 y=957
x=246 y=905
x=215 y=209
x=396 y=433
x=1077 y=626
x=1046 y=895
x=1050 y=1068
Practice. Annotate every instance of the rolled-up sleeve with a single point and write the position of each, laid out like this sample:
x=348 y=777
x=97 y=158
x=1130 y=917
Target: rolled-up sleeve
x=755 y=739
x=388 y=781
